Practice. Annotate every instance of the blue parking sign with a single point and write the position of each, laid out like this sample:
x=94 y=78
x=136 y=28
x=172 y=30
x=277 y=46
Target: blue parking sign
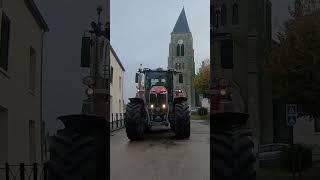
x=292 y=114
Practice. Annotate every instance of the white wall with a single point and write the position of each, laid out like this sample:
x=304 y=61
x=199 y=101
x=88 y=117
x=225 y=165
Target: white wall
x=116 y=87
x=22 y=105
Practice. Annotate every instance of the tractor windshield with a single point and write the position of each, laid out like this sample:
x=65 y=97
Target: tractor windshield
x=158 y=82
x=155 y=78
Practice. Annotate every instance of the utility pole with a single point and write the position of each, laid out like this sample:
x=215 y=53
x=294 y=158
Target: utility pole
x=96 y=55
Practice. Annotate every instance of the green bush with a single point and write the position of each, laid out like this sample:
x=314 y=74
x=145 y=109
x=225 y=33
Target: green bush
x=202 y=111
x=295 y=158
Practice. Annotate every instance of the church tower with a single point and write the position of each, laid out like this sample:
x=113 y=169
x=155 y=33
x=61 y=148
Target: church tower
x=181 y=55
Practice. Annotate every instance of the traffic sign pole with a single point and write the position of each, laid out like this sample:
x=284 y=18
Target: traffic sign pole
x=291 y=113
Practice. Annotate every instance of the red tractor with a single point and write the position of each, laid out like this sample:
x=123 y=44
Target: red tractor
x=159 y=101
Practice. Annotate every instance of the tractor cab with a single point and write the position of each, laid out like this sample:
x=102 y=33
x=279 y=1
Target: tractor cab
x=159 y=101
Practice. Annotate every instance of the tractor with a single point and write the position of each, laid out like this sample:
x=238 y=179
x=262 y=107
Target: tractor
x=159 y=102
x=232 y=144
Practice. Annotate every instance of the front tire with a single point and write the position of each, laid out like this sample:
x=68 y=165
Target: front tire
x=134 y=123
x=181 y=124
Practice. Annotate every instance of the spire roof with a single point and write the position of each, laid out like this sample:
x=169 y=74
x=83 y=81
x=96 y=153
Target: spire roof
x=181 y=24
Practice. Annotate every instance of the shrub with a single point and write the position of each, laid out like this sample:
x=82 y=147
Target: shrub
x=202 y=111
x=297 y=157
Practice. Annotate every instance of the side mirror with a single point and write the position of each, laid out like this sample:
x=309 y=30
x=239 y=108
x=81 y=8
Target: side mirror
x=137 y=78
x=180 y=78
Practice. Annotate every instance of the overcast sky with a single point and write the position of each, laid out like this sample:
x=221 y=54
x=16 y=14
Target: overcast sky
x=140 y=33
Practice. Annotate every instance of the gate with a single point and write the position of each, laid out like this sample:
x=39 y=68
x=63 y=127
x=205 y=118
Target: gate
x=23 y=171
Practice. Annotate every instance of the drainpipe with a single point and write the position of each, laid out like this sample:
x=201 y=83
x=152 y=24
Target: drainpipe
x=42 y=135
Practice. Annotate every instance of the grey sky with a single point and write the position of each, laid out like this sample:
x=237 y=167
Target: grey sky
x=66 y=21
x=140 y=33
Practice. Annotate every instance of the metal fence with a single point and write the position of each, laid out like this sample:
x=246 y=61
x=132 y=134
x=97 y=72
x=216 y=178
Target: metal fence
x=23 y=171
x=117 y=121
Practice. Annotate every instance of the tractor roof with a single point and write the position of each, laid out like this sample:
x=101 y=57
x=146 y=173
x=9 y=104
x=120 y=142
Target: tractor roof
x=158 y=70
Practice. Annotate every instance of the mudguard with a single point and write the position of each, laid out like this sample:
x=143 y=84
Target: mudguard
x=180 y=99
x=138 y=100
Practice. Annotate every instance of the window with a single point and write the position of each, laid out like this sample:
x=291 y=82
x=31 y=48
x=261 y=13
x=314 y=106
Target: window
x=224 y=18
x=32 y=69
x=217 y=18
x=227 y=54
x=235 y=14
x=120 y=82
x=4 y=44
x=180 y=50
x=3 y=134
x=32 y=141
x=120 y=106
x=111 y=74
x=317 y=124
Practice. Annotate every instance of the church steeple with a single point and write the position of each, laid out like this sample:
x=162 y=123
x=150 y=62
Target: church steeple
x=181 y=24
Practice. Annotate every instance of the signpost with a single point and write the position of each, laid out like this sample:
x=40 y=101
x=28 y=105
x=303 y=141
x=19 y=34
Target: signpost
x=292 y=115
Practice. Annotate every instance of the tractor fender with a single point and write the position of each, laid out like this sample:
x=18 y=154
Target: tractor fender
x=180 y=99
x=138 y=100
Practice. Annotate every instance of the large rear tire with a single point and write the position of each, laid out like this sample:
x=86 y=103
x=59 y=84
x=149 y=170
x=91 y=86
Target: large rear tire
x=233 y=155
x=134 y=121
x=181 y=124
x=77 y=152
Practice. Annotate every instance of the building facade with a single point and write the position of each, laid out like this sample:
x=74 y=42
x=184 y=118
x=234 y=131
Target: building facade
x=116 y=86
x=181 y=55
x=21 y=127
x=241 y=38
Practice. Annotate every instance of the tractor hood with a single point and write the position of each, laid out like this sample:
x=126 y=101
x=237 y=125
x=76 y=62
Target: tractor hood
x=158 y=90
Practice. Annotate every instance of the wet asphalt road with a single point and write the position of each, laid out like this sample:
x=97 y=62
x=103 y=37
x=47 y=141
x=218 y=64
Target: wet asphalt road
x=161 y=157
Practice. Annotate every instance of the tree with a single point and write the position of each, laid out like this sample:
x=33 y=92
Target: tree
x=294 y=62
x=202 y=79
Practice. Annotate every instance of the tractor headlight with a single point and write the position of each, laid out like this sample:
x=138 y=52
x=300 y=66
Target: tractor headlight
x=163 y=106
x=151 y=106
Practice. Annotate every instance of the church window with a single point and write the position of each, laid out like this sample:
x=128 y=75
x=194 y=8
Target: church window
x=224 y=15
x=227 y=54
x=217 y=18
x=182 y=49
x=235 y=14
